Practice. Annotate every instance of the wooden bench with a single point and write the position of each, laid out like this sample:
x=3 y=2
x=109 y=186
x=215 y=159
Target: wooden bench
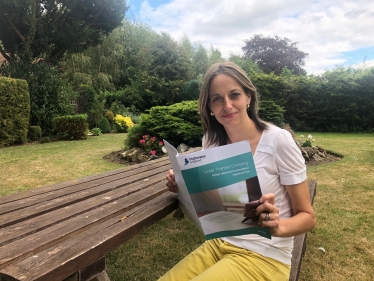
x=64 y=231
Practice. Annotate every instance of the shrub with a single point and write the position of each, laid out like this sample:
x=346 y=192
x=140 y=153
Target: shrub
x=86 y=96
x=14 y=111
x=190 y=90
x=151 y=144
x=96 y=112
x=176 y=123
x=134 y=135
x=96 y=132
x=35 y=133
x=71 y=127
x=122 y=123
x=271 y=112
x=110 y=116
x=50 y=94
x=104 y=125
x=132 y=112
x=44 y=139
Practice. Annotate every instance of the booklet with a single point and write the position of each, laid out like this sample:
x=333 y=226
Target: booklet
x=213 y=187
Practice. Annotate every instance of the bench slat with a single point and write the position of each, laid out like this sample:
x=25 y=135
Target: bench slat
x=300 y=240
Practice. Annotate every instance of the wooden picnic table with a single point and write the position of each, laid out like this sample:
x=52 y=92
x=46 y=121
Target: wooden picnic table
x=63 y=231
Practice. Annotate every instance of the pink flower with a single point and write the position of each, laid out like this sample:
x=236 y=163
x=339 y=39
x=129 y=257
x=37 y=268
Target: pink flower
x=153 y=152
x=153 y=139
x=161 y=143
x=142 y=141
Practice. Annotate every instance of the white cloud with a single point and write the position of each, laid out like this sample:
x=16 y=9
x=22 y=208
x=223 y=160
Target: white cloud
x=323 y=28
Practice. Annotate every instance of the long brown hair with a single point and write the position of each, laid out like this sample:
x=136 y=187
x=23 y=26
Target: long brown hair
x=213 y=130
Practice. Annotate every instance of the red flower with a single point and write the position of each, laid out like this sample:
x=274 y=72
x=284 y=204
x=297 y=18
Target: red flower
x=153 y=152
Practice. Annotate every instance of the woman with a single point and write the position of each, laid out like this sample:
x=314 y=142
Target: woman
x=228 y=104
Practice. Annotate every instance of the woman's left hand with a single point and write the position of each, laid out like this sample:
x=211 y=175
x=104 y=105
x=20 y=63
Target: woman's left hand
x=268 y=213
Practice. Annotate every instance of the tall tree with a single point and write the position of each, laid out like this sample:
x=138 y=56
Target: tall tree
x=49 y=28
x=273 y=54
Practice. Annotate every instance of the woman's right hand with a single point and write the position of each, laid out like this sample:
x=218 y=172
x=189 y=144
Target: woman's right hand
x=171 y=184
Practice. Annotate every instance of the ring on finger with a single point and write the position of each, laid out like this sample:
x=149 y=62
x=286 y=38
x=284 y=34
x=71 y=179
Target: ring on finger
x=267 y=216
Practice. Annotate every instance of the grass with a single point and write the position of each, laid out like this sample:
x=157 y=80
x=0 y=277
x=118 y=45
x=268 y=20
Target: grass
x=28 y=166
x=343 y=205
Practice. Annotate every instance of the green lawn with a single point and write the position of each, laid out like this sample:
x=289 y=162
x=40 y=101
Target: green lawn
x=343 y=205
x=28 y=166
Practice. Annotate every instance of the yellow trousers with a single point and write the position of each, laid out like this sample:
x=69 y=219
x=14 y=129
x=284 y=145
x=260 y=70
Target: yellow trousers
x=218 y=260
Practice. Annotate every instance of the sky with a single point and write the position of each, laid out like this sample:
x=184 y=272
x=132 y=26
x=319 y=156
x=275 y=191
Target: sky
x=332 y=32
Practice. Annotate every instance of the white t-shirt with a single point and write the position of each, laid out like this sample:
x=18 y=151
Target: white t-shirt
x=278 y=162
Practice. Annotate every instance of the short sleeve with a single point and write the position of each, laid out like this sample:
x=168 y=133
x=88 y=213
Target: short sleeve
x=289 y=162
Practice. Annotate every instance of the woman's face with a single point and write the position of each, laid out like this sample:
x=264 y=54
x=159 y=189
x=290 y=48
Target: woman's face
x=228 y=101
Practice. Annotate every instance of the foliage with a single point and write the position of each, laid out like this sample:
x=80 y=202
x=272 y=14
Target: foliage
x=308 y=141
x=158 y=75
x=34 y=133
x=122 y=123
x=151 y=144
x=71 y=127
x=38 y=28
x=96 y=131
x=104 y=125
x=15 y=111
x=132 y=112
x=246 y=64
x=44 y=140
x=134 y=134
x=50 y=95
x=110 y=116
x=271 y=112
x=340 y=100
x=176 y=123
x=97 y=112
x=190 y=90
x=99 y=67
x=135 y=66
x=274 y=54
x=86 y=97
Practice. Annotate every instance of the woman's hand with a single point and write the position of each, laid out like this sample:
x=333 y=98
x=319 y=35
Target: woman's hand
x=268 y=213
x=303 y=219
x=171 y=184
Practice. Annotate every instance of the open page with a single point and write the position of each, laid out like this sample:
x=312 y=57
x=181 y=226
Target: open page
x=183 y=194
x=214 y=186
